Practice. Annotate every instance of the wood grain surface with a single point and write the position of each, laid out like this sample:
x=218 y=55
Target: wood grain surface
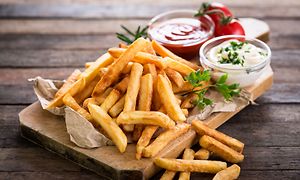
x=50 y=38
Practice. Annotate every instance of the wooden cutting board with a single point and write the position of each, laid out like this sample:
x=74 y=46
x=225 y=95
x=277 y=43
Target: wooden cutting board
x=49 y=131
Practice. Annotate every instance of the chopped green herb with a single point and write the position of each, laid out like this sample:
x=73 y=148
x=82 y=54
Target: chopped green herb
x=247 y=51
x=233 y=56
x=197 y=77
x=262 y=54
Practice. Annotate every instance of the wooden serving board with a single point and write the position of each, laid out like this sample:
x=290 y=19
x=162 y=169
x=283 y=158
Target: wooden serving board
x=49 y=131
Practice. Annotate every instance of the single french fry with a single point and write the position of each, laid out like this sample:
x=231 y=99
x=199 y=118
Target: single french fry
x=89 y=100
x=85 y=93
x=220 y=149
x=88 y=64
x=164 y=139
x=144 y=102
x=185 y=112
x=115 y=69
x=146 y=118
x=188 y=102
x=168 y=175
x=70 y=101
x=117 y=108
x=186 y=87
x=229 y=173
x=178 y=66
x=140 y=57
x=122 y=85
x=169 y=100
x=70 y=80
x=99 y=100
x=150 y=68
x=202 y=154
x=111 y=99
x=102 y=71
x=127 y=68
x=149 y=49
x=123 y=45
x=175 y=76
x=86 y=77
x=132 y=91
x=203 y=166
x=188 y=154
x=164 y=52
x=145 y=139
x=110 y=127
x=202 y=129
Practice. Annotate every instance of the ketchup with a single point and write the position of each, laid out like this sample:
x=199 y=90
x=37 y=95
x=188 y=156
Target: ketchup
x=182 y=36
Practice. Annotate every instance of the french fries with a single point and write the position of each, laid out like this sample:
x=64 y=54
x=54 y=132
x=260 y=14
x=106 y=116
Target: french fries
x=82 y=95
x=164 y=52
x=140 y=57
x=132 y=91
x=220 y=149
x=168 y=175
x=188 y=154
x=111 y=99
x=144 y=101
x=204 y=166
x=203 y=129
x=169 y=100
x=165 y=138
x=115 y=69
x=110 y=127
x=70 y=80
x=117 y=108
x=146 y=117
x=175 y=76
x=202 y=154
x=177 y=66
x=229 y=173
x=86 y=77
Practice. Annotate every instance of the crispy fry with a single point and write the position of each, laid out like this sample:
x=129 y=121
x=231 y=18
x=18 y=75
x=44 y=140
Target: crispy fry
x=175 y=77
x=111 y=99
x=102 y=71
x=202 y=154
x=85 y=93
x=110 y=127
x=185 y=112
x=188 y=102
x=169 y=100
x=70 y=101
x=89 y=100
x=146 y=117
x=164 y=52
x=229 y=173
x=186 y=87
x=177 y=66
x=140 y=57
x=144 y=101
x=132 y=91
x=202 y=129
x=88 y=64
x=117 y=108
x=115 y=69
x=164 y=139
x=168 y=175
x=99 y=99
x=127 y=68
x=204 y=166
x=145 y=139
x=188 y=155
x=86 y=77
x=122 y=85
x=220 y=149
x=70 y=80
x=122 y=45
x=150 y=68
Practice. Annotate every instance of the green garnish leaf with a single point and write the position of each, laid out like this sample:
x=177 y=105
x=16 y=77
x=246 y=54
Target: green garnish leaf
x=195 y=78
x=228 y=91
x=134 y=35
x=201 y=101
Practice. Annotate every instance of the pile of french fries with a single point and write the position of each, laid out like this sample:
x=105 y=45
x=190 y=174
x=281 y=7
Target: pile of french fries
x=140 y=90
x=212 y=143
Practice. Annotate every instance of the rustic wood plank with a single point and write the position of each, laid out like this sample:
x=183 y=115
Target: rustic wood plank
x=141 y=10
x=102 y=42
x=74 y=175
x=108 y=26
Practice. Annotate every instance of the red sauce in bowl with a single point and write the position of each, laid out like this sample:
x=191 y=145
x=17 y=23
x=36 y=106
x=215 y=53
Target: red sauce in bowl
x=183 y=36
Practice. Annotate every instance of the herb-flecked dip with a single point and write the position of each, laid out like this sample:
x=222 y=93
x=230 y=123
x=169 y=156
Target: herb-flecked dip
x=235 y=54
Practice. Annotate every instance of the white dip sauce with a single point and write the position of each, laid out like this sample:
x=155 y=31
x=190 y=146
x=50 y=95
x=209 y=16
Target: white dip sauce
x=235 y=54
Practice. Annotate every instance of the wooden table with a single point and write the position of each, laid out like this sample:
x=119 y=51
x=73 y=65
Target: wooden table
x=51 y=40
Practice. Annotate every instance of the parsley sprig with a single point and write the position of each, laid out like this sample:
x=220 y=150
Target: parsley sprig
x=232 y=54
x=198 y=77
x=140 y=32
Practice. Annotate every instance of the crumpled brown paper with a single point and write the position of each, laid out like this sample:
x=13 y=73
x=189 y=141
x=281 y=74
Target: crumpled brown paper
x=220 y=105
x=82 y=132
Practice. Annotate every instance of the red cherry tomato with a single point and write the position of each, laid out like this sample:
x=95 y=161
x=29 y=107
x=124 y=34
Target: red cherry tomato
x=218 y=6
x=232 y=28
